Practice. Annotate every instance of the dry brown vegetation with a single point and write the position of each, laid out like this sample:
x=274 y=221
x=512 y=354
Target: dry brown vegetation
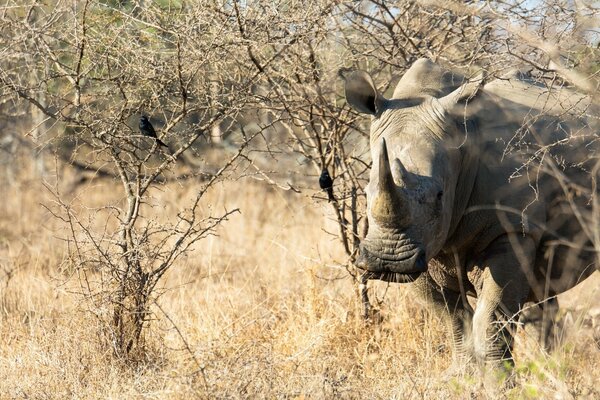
x=263 y=310
x=100 y=299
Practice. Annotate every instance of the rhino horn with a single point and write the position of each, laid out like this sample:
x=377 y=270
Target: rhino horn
x=389 y=206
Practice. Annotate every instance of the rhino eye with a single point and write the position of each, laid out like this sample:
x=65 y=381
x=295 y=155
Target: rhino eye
x=440 y=194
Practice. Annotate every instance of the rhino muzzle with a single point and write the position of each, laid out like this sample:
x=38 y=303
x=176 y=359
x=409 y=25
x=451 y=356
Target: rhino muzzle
x=404 y=268
x=388 y=253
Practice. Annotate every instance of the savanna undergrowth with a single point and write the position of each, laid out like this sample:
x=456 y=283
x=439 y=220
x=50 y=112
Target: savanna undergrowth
x=265 y=309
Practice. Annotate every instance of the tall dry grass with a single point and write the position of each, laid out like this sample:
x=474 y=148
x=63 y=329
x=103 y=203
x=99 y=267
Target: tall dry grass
x=263 y=310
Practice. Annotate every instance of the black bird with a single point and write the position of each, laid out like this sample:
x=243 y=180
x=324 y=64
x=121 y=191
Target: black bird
x=148 y=130
x=326 y=183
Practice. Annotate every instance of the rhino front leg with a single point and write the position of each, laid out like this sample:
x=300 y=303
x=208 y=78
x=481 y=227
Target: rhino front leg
x=502 y=288
x=449 y=303
x=539 y=320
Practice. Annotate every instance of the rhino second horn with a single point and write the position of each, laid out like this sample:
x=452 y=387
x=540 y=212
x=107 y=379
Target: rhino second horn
x=388 y=207
x=402 y=174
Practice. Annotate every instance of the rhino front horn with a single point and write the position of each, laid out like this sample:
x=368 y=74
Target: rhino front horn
x=388 y=207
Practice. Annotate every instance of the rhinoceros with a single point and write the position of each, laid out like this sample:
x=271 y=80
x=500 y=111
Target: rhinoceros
x=477 y=189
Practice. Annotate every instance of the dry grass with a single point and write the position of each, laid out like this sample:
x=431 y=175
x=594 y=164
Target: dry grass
x=264 y=307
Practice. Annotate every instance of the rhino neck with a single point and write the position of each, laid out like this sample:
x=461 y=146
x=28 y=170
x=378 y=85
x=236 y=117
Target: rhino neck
x=469 y=168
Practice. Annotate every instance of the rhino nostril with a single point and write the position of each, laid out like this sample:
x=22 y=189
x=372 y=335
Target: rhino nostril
x=421 y=262
x=361 y=261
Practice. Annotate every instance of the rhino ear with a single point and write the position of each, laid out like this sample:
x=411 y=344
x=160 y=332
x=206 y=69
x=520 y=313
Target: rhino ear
x=467 y=91
x=362 y=94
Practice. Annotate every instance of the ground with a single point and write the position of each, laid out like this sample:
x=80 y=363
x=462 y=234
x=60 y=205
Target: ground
x=265 y=309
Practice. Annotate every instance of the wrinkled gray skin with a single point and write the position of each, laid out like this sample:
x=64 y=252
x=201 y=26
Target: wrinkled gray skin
x=450 y=209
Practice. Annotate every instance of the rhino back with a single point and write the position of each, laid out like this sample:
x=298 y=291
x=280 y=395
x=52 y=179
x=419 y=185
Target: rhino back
x=535 y=126
x=519 y=90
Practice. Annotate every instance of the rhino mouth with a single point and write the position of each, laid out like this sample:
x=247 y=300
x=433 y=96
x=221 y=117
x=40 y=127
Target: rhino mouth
x=405 y=267
x=393 y=277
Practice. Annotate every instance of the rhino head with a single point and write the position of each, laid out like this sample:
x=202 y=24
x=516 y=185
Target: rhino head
x=416 y=152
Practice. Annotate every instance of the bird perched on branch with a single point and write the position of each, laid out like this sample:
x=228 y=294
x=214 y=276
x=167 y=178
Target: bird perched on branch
x=148 y=130
x=326 y=183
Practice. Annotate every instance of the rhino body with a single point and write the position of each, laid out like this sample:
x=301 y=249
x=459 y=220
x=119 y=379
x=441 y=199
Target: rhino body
x=479 y=190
